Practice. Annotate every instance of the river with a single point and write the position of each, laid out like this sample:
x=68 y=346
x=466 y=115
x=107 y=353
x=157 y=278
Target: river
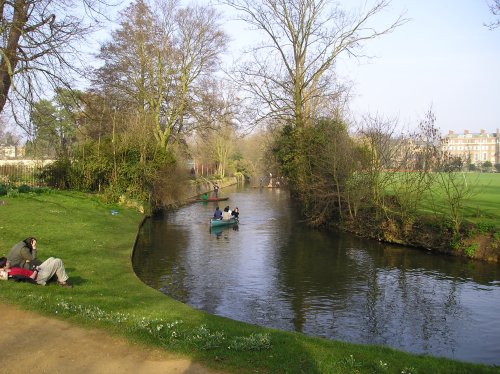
x=273 y=271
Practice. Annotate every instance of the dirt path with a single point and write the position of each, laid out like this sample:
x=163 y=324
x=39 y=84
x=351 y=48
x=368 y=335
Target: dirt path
x=33 y=343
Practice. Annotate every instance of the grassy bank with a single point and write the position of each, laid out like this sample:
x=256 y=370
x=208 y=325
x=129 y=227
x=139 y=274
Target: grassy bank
x=96 y=245
x=480 y=205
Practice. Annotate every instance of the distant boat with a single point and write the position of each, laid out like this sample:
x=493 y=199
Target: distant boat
x=222 y=222
x=213 y=199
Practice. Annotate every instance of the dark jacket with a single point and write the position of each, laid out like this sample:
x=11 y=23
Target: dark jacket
x=217 y=214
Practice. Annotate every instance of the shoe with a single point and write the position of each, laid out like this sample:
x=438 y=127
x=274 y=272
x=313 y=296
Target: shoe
x=65 y=284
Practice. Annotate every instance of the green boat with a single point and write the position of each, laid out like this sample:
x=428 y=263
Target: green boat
x=213 y=199
x=222 y=222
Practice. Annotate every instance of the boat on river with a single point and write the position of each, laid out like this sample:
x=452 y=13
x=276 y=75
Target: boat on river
x=214 y=199
x=222 y=222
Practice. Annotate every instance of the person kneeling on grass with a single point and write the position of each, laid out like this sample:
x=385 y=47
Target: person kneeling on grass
x=40 y=275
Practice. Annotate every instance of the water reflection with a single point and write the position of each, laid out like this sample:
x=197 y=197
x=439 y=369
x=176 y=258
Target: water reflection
x=272 y=271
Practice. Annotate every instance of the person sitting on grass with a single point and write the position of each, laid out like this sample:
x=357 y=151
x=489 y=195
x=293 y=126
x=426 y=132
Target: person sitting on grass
x=23 y=254
x=40 y=275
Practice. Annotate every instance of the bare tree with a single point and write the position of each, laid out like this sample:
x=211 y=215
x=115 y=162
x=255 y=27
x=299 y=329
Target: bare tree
x=416 y=160
x=40 y=44
x=293 y=69
x=217 y=127
x=157 y=59
x=495 y=10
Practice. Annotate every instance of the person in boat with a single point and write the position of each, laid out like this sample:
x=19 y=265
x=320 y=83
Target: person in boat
x=226 y=214
x=235 y=213
x=216 y=190
x=217 y=213
x=204 y=197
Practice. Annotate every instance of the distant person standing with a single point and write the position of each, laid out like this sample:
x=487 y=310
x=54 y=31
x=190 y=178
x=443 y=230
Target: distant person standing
x=216 y=190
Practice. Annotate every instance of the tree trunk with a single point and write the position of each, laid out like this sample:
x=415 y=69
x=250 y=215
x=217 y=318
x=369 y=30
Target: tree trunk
x=9 y=56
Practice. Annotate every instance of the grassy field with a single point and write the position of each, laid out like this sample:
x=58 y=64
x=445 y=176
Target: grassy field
x=95 y=246
x=484 y=202
x=481 y=202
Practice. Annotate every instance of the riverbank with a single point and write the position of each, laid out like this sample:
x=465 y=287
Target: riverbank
x=474 y=241
x=95 y=241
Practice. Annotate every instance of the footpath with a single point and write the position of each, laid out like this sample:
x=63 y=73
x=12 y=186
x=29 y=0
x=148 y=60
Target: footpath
x=33 y=343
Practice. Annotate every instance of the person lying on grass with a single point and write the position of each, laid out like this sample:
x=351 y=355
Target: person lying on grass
x=40 y=275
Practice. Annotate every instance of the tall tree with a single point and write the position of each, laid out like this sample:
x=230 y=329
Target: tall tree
x=39 y=45
x=293 y=69
x=215 y=112
x=155 y=60
x=55 y=122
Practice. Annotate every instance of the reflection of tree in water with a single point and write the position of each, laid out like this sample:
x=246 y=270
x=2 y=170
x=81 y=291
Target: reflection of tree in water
x=413 y=310
x=367 y=295
x=407 y=306
x=310 y=269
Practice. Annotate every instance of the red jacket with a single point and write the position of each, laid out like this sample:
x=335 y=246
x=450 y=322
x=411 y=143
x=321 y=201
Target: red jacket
x=20 y=271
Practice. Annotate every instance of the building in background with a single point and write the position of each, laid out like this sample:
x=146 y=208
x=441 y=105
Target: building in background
x=11 y=151
x=473 y=148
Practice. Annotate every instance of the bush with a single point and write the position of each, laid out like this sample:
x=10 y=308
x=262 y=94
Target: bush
x=484 y=227
x=471 y=249
x=24 y=188
x=3 y=190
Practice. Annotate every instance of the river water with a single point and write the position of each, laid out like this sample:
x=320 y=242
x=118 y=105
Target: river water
x=273 y=271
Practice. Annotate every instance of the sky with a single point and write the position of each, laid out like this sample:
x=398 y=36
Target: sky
x=443 y=59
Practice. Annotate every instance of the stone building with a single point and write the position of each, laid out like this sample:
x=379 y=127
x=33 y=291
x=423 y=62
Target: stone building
x=474 y=148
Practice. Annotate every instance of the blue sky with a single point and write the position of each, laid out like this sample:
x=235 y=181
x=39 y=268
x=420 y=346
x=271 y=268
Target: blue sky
x=444 y=58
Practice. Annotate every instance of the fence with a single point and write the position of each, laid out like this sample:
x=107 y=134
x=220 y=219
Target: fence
x=17 y=175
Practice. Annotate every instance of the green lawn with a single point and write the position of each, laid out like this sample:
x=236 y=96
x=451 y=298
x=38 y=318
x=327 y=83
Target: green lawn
x=482 y=202
x=96 y=247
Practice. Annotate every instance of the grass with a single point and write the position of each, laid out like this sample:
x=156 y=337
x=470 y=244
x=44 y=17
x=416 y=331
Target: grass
x=95 y=246
x=484 y=204
x=481 y=205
